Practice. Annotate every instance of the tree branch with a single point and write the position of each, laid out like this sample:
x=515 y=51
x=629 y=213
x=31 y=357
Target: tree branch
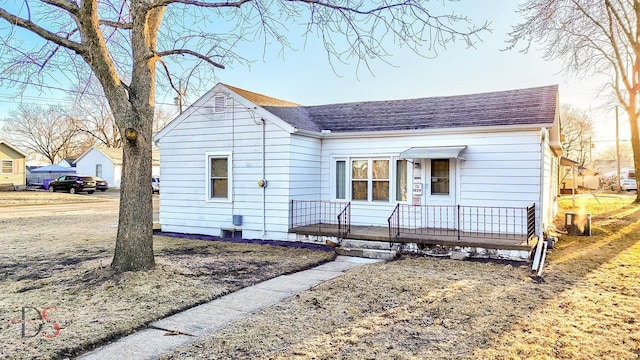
x=203 y=4
x=40 y=31
x=189 y=52
x=66 y=5
x=117 y=25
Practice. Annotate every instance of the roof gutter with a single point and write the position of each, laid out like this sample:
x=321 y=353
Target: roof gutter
x=398 y=133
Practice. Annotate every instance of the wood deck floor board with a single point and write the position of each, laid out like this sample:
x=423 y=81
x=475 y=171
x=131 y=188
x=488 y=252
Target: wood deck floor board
x=442 y=237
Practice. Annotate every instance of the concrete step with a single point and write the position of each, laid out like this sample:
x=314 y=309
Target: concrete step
x=368 y=244
x=367 y=253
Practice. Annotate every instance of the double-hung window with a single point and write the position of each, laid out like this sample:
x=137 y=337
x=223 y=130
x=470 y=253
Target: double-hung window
x=218 y=176
x=370 y=179
x=6 y=167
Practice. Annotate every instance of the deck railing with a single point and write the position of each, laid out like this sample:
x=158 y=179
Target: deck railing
x=344 y=221
x=508 y=223
x=321 y=213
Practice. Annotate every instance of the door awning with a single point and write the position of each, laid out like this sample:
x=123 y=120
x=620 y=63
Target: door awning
x=433 y=152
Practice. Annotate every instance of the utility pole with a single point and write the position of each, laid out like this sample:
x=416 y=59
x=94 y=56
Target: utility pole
x=617 y=151
x=178 y=98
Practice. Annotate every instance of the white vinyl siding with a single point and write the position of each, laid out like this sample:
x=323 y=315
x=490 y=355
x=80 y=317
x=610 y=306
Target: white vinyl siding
x=291 y=167
x=500 y=168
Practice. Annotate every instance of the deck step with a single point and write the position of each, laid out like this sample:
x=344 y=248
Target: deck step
x=367 y=253
x=369 y=244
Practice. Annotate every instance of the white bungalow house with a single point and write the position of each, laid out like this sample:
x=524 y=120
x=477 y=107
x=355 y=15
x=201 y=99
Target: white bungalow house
x=106 y=163
x=12 y=166
x=241 y=162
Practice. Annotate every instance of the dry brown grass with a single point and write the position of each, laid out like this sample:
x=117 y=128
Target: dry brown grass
x=61 y=259
x=11 y=198
x=585 y=307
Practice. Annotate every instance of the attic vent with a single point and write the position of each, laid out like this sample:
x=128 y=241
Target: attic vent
x=219 y=104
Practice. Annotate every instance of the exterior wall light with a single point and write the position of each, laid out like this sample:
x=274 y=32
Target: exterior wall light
x=262 y=183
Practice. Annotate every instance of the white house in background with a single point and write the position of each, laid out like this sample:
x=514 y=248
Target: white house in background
x=12 y=166
x=106 y=163
x=238 y=161
x=67 y=162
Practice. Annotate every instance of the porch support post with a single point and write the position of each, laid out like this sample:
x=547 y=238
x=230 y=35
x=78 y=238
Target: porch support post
x=458 y=206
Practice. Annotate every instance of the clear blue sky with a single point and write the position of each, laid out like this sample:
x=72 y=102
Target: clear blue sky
x=306 y=77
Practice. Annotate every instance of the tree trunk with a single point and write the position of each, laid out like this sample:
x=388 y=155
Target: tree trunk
x=134 y=243
x=635 y=145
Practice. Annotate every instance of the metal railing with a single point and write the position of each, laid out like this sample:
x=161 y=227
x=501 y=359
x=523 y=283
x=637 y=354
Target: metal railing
x=319 y=214
x=508 y=223
x=394 y=223
x=344 y=221
x=531 y=221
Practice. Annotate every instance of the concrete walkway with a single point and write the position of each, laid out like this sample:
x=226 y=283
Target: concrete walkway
x=207 y=318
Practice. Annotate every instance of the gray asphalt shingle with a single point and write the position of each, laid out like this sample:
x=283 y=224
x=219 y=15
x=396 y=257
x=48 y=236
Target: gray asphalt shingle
x=530 y=106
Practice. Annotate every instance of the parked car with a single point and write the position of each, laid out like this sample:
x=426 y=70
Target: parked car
x=155 y=184
x=101 y=184
x=73 y=184
x=628 y=184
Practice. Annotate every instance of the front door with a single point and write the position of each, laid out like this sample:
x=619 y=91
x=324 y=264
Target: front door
x=434 y=187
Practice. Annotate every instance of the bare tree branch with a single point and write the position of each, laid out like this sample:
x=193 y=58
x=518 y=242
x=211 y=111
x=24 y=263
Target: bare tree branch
x=192 y=53
x=45 y=34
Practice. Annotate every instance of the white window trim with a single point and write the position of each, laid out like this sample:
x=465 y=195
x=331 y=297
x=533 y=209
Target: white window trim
x=207 y=177
x=370 y=160
x=332 y=178
x=392 y=180
x=394 y=175
x=2 y=167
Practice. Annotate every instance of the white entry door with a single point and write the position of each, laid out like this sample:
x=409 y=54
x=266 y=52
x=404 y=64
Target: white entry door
x=439 y=193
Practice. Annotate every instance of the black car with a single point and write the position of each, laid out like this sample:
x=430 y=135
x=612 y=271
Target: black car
x=101 y=184
x=73 y=184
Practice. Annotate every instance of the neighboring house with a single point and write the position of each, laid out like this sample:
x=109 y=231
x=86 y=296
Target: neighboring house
x=106 y=163
x=67 y=162
x=12 y=166
x=238 y=161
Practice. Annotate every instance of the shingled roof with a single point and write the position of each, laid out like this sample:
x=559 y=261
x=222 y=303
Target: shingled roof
x=531 y=106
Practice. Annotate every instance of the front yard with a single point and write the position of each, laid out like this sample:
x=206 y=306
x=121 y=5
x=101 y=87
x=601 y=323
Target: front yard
x=585 y=306
x=61 y=260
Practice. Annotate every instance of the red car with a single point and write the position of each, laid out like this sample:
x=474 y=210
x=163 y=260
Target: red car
x=101 y=184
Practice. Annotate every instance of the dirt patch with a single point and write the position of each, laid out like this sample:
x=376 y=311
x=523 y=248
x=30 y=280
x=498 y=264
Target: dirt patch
x=417 y=308
x=59 y=260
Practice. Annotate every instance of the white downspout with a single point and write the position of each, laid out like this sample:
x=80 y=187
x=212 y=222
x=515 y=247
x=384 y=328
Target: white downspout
x=542 y=158
x=264 y=188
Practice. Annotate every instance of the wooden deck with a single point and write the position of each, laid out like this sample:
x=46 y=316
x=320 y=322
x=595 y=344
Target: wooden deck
x=439 y=237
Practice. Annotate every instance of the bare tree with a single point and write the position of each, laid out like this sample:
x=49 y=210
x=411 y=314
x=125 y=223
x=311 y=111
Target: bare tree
x=577 y=129
x=48 y=132
x=591 y=36
x=122 y=43
x=95 y=119
x=626 y=153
